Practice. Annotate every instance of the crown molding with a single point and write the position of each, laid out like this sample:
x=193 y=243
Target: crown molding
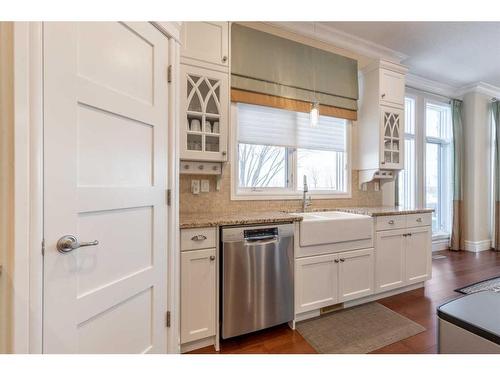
x=328 y=34
x=481 y=88
x=434 y=87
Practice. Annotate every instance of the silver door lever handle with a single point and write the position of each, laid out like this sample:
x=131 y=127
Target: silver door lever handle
x=68 y=243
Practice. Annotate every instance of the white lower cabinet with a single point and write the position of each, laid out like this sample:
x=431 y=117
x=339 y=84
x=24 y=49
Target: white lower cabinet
x=198 y=294
x=356 y=274
x=403 y=256
x=316 y=282
x=418 y=254
x=390 y=259
x=325 y=280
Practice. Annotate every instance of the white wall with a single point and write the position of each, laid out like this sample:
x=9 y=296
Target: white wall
x=477 y=174
x=6 y=180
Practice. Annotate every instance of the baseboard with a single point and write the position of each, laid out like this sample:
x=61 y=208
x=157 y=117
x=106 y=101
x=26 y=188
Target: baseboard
x=198 y=344
x=477 y=246
x=439 y=245
x=317 y=312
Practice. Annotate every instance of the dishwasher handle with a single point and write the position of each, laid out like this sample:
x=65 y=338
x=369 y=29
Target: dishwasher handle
x=261 y=240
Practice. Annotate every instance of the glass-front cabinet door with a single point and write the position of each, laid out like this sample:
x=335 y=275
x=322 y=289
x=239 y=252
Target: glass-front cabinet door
x=392 y=141
x=204 y=114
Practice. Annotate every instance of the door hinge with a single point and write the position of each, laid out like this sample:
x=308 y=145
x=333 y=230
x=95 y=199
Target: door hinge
x=169 y=197
x=43 y=247
x=168 y=319
x=169 y=74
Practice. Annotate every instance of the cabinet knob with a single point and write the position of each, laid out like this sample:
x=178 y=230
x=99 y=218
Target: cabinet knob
x=224 y=59
x=419 y=220
x=391 y=222
x=336 y=260
x=212 y=257
x=200 y=167
x=342 y=259
x=224 y=153
x=383 y=96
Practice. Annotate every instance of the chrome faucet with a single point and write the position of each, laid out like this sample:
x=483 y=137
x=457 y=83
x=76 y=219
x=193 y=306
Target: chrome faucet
x=306 y=201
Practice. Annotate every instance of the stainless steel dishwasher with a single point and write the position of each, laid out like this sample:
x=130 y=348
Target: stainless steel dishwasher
x=257 y=278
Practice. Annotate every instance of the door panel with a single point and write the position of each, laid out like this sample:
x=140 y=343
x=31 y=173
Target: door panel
x=198 y=294
x=105 y=163
x=392 y=88
x=355 y=274
x=390 y=260
x=418 y=254
x=316 y=282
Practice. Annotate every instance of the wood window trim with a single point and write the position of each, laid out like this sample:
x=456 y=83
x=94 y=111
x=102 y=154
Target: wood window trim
x=248 y=97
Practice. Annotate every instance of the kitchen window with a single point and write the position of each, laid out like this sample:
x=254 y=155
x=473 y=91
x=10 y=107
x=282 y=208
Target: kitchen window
x=426 y=179
x=275 y=148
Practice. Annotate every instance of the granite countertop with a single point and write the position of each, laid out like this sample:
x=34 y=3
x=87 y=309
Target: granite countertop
x=384 y=210
x=215 y=219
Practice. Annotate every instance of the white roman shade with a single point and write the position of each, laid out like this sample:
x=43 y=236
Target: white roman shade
x=278 y=127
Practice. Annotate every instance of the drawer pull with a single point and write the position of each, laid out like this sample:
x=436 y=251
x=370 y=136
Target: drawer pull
x=391 y=222
x=336 y=260
x=342 y=259
x=199 y=237
x=419 y=220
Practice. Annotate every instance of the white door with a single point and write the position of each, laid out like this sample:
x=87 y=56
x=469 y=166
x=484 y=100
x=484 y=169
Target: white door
x=418 y=254
x=390 y=259
x=316 y=282
x=198 y=294
x=356 y=276
x=105 y=163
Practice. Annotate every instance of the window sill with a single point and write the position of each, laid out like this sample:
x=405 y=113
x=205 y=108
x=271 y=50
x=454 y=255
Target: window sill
x=256 y=196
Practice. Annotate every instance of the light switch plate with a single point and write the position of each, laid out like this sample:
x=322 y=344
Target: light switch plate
x=205 y=186
x=195 y=186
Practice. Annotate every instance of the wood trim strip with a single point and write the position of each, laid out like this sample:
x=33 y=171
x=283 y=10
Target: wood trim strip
x=242 y=96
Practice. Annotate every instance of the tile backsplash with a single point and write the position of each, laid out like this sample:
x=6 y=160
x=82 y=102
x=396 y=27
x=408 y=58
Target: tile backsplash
x=220 y=201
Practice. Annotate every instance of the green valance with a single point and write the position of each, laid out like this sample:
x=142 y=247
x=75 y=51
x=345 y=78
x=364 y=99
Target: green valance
x=271 y=65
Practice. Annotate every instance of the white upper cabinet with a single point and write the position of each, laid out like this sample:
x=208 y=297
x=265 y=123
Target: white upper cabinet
x=392 y=139
x=392 y=88
x=205 y=44
x=381 y=116
x=204 y=109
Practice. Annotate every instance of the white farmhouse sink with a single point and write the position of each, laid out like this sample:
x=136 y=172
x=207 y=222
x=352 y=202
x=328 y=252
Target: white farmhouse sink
x=319 y=228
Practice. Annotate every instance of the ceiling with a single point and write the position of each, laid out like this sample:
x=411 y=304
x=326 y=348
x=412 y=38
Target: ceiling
x=455 y=53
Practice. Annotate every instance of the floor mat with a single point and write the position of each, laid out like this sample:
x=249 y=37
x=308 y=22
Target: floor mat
x=492 y=284
x=357 y=330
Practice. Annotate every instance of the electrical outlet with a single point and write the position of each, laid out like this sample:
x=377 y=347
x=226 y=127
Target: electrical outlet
x=205 y=186
x=195 y=186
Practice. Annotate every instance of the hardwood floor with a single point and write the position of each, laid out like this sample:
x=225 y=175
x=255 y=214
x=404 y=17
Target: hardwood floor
x=456 y=270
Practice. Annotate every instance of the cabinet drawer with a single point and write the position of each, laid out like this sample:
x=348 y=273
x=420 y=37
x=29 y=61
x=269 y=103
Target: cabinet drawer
x=390 y=222
x=418 y=220
x=198 y=238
